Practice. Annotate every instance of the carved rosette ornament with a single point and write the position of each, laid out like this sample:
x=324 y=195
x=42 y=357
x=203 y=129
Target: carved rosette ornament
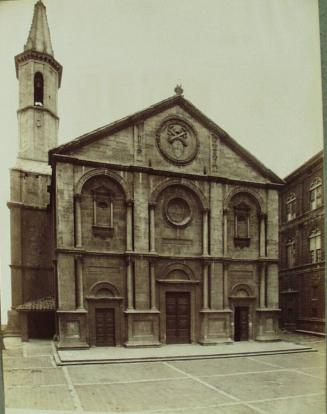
x=177 y=141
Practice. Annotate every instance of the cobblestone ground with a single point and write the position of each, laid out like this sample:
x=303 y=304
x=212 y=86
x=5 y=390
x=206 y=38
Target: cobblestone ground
x=270 y=384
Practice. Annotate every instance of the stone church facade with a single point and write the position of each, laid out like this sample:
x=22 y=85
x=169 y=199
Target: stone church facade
x=156 y=229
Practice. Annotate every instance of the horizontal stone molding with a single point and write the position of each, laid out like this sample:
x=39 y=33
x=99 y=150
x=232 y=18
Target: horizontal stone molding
x=23 y=206
x=162 y=173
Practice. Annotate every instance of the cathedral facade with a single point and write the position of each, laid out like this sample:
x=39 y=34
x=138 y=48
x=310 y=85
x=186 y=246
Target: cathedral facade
x=156 y=229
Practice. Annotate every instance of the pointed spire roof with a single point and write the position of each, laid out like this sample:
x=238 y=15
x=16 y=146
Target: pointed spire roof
x=39 y=39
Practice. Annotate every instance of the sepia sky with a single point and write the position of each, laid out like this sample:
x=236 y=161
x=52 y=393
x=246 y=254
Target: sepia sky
x=251 y=66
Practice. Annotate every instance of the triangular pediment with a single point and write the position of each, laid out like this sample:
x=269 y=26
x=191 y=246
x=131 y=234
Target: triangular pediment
x=120 y=133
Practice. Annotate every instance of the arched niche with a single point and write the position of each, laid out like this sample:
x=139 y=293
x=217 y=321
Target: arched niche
x=177 y=272
x=250 y=193
x=102 y=209
x=182 y=183
x=119 y=180
x=104 y=290
x=242 y=290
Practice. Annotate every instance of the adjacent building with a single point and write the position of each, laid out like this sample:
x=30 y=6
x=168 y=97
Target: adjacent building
x=302 y=263
x=156 y=229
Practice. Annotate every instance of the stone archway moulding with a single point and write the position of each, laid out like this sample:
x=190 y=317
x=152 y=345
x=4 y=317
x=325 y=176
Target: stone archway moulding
x=177 y=266
x=183 y=183
x=242 y=287
x=246 y=190
x=105 y=172
x=96 y=287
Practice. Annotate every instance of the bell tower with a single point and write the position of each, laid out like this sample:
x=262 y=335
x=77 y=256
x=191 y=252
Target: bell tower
x=32 y=281
x=39 y=76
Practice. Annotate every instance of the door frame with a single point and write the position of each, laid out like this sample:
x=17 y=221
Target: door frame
x=183 y=287
x=111 y=309
x=245 y=302
x=239 y=322
x=176 y=295
x=105 y=303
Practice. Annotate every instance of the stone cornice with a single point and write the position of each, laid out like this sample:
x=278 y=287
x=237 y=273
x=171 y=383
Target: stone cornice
x=41 y=57
x=17 y=204
x=38 y=108
x=151 y=256
x=165 y=173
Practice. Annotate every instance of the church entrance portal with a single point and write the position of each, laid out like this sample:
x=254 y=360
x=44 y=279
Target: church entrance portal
x=241 y=323
x=178 y=317
x=105 y=327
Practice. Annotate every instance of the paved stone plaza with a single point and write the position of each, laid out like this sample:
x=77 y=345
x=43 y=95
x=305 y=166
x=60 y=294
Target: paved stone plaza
x=287 y=383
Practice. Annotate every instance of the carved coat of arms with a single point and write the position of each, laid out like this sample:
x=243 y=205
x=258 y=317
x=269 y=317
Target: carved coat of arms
x=177 y=141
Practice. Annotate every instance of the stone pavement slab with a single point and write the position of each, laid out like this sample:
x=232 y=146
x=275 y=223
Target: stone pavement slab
x=205 y=367
x=173 y=352
x=31 y=362
x=41 y=398
x=267 y=385
x=314 y=404
x=154 y=395
x=120 y=373
x=35 y=376
x=294 y=360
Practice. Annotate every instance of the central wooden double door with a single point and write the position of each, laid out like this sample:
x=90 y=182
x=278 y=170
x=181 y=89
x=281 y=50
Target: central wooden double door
x=178 y=318
x=105 y=327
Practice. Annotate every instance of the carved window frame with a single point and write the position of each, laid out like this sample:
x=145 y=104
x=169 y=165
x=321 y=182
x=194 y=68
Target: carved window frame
x=315 y=192
x=242 y=213
x=290 y=252
x=103 y=198
x=315 y=246
x=291 y=207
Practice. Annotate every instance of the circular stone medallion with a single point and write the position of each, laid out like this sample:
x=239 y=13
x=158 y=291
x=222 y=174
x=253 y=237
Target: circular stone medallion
x=177 y=141
x=178 y=212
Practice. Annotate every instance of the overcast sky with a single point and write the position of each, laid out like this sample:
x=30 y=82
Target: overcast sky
x=252 y=66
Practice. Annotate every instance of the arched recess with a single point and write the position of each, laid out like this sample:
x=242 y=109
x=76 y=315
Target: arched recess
x=242 y=290
x=179 y=182
x=177 y=272
x=254 y=195
x=104 y=290
x=38 y=89
x=105 y=298
x=105 y=172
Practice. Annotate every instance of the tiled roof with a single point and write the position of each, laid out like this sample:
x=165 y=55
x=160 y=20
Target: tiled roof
x=43 y=304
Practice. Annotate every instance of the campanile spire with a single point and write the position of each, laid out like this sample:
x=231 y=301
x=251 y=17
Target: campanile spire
x=39 y=38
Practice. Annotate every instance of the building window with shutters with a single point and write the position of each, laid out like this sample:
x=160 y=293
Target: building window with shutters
x=315 y=193
x=290 y=252
x=103 y=214
x=290 y=207
x=315 y=246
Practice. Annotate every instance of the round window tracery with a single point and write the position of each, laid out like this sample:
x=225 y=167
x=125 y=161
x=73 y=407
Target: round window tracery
x=178 y=211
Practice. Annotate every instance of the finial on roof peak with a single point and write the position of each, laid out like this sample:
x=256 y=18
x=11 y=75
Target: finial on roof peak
x=178 y=89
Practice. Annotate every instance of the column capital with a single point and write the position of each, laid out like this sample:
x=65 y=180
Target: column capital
x=78 y=197
x=262 y=215
x=225 y=211
x=152 y=204
x=129 y=260
x=79 y=257
x=205 y=210
x=226 y=265
x=129 y=202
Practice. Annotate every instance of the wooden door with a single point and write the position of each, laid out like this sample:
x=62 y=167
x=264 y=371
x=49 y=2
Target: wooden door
x=241 y=323
x=178 y=318
x=105 y=327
